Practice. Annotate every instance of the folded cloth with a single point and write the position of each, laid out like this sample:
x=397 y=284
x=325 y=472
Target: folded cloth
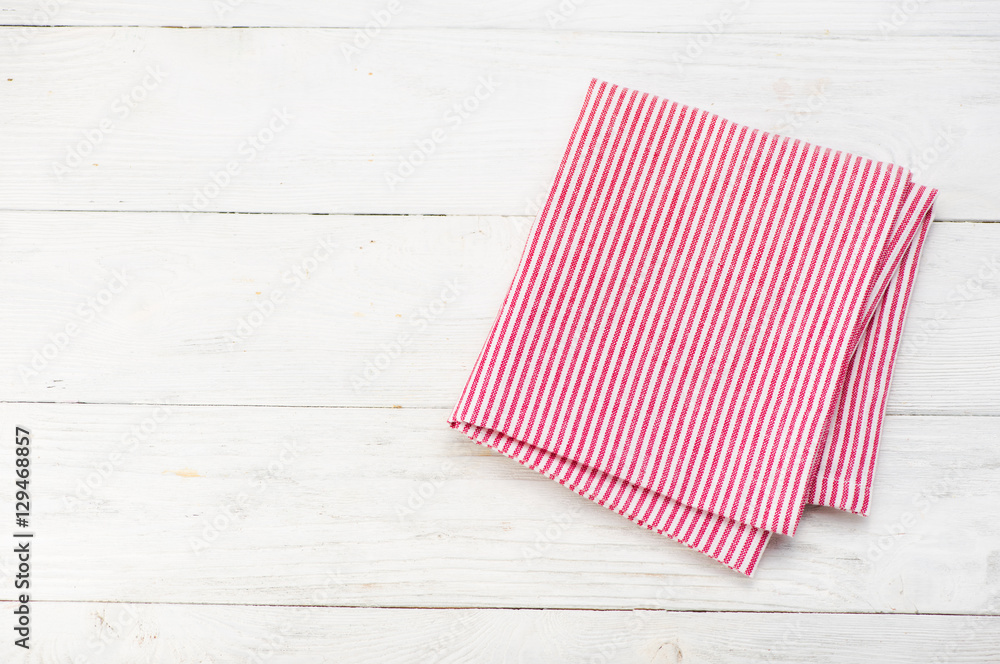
x=701 y=330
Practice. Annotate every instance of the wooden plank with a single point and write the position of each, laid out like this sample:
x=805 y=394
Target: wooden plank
x=221 y=310
x=191 y=634
x=390 y=507
x=960 y=17
x=286 y=120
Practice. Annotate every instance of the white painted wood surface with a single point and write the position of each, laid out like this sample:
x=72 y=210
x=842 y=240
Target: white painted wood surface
x=193 y=97
x=125 y=634
x=389 y=507
x=823 y=18
x=214 y=311
x=217 y=480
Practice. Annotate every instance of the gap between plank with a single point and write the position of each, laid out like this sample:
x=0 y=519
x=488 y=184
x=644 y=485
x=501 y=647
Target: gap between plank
x=360 y=214
x=889 y=413
x=504 y=608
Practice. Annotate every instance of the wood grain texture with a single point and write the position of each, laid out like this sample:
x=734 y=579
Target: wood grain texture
x=147 y=118
x=245 y=309
x=390 y=507
x=184 y=634
x=830 y=17
x=278 y=528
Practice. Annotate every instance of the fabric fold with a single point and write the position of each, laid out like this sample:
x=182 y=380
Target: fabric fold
x=701 y=330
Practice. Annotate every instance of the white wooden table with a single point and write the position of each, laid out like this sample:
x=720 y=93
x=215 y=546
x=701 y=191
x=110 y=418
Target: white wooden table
x=235 y=335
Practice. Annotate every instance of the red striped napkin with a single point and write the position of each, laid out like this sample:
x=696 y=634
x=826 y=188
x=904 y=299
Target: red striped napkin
x=701 y=331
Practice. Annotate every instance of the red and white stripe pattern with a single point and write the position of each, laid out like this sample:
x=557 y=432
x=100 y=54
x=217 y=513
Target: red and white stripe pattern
x=701 y=331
